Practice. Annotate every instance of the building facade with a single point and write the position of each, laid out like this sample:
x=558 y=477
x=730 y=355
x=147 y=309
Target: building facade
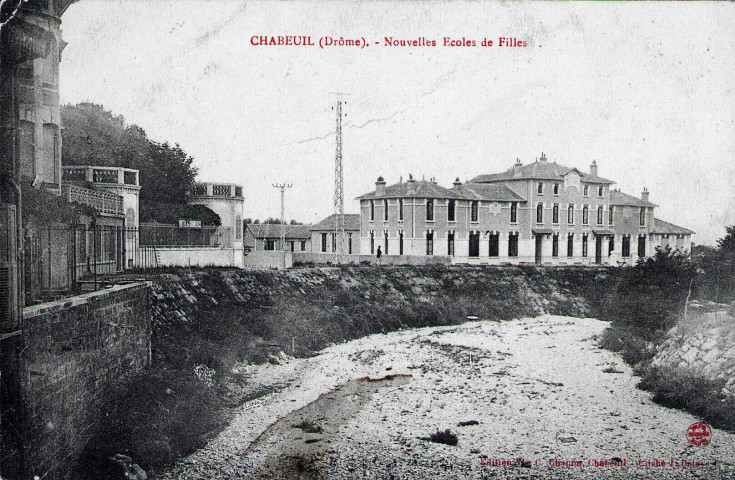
x=324 y=237
x=541 y=213
x=226 y=200
x=269 y=237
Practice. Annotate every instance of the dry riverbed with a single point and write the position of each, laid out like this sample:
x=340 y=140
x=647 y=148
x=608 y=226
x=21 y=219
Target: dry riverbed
x=536 y=389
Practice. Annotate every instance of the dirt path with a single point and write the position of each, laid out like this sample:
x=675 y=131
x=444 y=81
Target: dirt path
x=539 y=389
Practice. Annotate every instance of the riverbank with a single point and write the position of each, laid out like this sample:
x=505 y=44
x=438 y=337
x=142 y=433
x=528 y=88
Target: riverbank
x=538 y=389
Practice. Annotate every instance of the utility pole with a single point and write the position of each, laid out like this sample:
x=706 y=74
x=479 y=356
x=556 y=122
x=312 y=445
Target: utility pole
x=339 y=196
x=283 y=187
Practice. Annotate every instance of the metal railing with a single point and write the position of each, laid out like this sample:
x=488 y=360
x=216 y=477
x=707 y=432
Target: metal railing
x=66 y=260
x=173 y=236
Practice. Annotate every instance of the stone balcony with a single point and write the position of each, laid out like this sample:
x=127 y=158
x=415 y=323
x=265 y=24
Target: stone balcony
x=216 y=190
x=102 y=175
x=104 y=203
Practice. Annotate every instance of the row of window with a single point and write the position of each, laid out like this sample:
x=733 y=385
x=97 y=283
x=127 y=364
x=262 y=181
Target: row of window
x=451 y=213
x=270 y=244
x=334 y=242
x=585 y=189
x=494 y=244
x=451 y=210
x=570 y=215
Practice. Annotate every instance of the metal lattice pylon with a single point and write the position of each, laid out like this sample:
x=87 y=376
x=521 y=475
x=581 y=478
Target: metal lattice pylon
x=339 y=200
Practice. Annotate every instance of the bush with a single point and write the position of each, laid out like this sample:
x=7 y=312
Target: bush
x=649 y=295
x=691 y=392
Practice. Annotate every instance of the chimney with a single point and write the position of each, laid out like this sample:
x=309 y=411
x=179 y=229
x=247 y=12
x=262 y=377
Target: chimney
x=644 y=195
x=543 y=158
x=593 y=168
x=411 y=184
x=457 y=183
x=380 y=187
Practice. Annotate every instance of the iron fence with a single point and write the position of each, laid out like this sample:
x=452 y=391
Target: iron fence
x=62 y=260
x=175 y=236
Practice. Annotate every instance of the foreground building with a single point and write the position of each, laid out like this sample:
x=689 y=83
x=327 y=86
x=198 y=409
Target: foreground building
x=541 y=213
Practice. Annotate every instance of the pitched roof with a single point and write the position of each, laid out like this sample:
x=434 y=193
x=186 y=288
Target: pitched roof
x=352 y=222
x=537 y=171
x=619 y=198
x=413 y=189
x=666 y=228
x=488 y=192
x=273 y=230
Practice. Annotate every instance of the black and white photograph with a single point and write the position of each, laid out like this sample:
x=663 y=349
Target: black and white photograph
x=386 y=240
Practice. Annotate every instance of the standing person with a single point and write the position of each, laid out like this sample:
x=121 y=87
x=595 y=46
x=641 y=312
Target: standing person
x=378 y=254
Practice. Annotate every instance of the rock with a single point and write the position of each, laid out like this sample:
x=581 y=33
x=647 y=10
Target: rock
x=125 y=469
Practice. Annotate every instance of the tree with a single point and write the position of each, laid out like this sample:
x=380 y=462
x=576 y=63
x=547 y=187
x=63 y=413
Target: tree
x=727 y=243
x=649 y=295
x=94 y=136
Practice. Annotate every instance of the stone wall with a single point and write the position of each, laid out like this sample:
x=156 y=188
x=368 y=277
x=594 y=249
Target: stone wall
x=77 y=351
x=325 y=258
x=705 y=344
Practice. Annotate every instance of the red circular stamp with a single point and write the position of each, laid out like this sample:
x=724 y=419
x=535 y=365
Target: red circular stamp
x=699 y=434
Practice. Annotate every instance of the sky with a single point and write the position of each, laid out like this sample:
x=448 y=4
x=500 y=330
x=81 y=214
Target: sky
x=645 y=89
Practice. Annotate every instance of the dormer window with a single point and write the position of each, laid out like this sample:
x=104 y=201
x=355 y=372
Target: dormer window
x=600 y=191
x=586 y=190
x=556 y=189
x=540 y=188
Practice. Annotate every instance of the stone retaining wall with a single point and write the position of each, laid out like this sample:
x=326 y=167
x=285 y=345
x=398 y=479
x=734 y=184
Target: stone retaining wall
x=705 y=344
x=77 y=351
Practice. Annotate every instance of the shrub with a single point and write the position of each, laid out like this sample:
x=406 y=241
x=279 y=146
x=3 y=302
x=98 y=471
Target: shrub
x=650 y=294
x=692 y=392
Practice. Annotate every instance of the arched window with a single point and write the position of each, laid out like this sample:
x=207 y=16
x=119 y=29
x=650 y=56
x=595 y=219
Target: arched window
x=585 y=215
x=540 y=188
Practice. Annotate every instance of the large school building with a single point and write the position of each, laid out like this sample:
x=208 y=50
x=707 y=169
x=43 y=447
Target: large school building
x=541 y=213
